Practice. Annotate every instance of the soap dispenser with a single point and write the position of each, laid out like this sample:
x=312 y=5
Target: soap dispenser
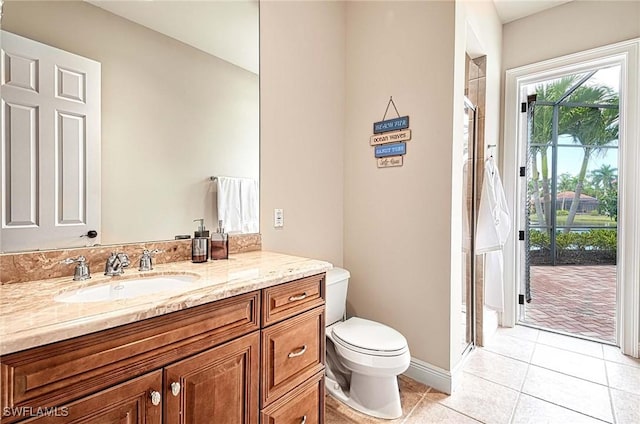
x=219 y=243
x=200 y=243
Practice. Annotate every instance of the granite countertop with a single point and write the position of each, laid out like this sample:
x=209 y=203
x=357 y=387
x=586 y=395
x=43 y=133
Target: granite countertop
x=30 y=317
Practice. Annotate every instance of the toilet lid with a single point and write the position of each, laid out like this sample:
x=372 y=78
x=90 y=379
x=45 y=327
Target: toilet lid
x=369 y=336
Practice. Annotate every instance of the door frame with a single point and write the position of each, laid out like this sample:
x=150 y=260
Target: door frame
x=627 y=55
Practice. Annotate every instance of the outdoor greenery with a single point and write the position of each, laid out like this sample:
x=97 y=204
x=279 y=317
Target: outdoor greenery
x=591 y=127
x=568 y=110
x=594 y=241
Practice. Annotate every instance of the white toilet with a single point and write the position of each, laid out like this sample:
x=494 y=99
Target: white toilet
x=364 y=357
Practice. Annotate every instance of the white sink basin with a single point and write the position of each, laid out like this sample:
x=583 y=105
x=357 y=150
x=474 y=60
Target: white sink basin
x=127 y=289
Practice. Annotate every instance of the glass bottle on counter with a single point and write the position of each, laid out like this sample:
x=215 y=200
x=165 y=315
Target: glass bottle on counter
x=220 y=243
x=200 y=244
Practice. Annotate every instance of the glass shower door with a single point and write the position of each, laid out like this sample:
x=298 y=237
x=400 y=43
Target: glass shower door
x=468 y=225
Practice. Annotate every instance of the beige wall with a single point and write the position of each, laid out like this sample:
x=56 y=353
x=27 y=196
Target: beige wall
x=569 y=28
x=401 y=272
x=482 y=21
x=171 y=117
x=302 y=54
x=398 y=220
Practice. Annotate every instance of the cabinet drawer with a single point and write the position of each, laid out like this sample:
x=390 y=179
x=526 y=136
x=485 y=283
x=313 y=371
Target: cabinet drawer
x=292 y=351
x=286 y=300
x=305 y=405
x=128 y=402
x=58 y=373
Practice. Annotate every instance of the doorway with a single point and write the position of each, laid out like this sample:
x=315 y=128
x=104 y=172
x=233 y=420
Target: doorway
x=571 y=206
x=516 y=158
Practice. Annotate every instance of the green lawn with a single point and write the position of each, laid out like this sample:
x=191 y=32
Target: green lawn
x=586 y=219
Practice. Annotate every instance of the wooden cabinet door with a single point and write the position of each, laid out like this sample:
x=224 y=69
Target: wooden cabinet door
x=126 y=403
x=219 y=385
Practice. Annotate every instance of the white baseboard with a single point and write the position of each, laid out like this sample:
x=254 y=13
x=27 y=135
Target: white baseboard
x=436 y=377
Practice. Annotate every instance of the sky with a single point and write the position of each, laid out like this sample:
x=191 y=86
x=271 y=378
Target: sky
x=570 y=158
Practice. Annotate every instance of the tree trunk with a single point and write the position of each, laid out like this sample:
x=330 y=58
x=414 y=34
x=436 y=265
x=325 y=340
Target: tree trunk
x=576 y=198
x=536 y=190
x=546 y=191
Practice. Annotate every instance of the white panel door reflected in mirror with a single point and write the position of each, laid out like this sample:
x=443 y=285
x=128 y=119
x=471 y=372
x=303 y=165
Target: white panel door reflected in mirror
x=172 y=114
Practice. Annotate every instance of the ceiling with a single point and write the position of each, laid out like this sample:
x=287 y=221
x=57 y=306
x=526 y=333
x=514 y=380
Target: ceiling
x=510 y=10
x=226 y=29
x=229 y=29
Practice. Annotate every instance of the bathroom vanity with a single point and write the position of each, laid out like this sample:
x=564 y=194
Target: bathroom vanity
x=244 y=343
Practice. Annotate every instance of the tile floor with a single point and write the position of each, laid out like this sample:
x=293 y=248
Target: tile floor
x=522 y=376
x=578 y=300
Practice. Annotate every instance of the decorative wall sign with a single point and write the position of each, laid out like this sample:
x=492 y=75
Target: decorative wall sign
x=395 y=149
x=390 y=162
x=391 y=137
x=394 y=124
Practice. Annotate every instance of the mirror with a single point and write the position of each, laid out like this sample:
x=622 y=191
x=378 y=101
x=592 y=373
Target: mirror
x=180 y=103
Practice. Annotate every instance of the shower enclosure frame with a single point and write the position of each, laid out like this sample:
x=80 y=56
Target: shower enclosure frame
x=469 y=192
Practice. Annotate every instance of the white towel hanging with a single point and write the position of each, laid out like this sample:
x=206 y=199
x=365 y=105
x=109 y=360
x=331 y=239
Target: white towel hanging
x=494 y=224
x=494 y=221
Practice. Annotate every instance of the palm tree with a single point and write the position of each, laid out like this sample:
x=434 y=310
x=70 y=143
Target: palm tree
x=604 y=177
x=591 y=127
x=541 y=136
x=567 y=182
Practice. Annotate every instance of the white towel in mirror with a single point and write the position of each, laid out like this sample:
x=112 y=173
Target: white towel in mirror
x=249 y=205
x=238 y=204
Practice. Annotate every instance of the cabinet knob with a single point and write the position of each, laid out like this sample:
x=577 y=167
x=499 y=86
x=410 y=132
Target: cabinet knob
x=303 y=420
x=155 y=398
x=175 y=388
x=299 y=352
x=298 y=297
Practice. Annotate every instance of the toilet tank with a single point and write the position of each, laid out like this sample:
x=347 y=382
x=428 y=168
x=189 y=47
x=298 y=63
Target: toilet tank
x=336 y=296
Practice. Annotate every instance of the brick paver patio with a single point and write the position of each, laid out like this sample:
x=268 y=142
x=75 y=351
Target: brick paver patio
x=579 y=300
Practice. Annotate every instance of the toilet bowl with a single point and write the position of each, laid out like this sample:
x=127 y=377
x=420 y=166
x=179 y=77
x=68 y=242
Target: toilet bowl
x=364 y=358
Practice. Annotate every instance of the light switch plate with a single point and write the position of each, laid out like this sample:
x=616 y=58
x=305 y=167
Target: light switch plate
x=278 y=218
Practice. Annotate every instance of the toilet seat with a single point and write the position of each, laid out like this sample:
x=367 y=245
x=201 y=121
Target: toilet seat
x=369 y=338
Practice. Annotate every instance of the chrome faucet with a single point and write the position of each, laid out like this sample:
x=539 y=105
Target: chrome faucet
x=146 y=260
x=116 y=263
x=81 y=272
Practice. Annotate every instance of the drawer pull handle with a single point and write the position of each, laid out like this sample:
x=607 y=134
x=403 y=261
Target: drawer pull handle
x=175 y=388
x=303 y=420
x=298 y=297
x=300 y=352
x=155 y=398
